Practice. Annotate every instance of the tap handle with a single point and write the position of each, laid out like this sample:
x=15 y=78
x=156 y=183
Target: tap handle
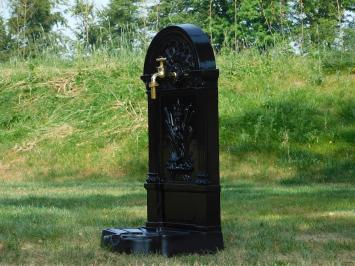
x=161 y=59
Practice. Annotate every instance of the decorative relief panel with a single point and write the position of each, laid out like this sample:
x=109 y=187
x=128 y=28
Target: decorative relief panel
x=179 y=134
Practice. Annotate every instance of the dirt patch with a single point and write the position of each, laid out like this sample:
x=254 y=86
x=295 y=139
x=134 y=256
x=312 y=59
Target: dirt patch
x=346 y=257
x=334 y=214
x=26 y=146
x=6 y=74
x=253 y=168
x=59 y=132
x=342 y=214
x=27 y=246
x=10 y=171
x=299 y=83
x=13 y=166
x=4 y=167
x=323 y=238
x=65 y=85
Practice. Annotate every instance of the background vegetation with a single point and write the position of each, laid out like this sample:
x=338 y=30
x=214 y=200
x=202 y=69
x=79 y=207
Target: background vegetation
x=73 y=135
x=234 y=24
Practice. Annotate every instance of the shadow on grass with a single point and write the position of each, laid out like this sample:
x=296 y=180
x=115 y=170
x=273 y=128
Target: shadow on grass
x=285 y=237
x=78 y=175
x=279 y=220
x=97 y=201
x=257 y=200
x=256 y=221
x=48 y=217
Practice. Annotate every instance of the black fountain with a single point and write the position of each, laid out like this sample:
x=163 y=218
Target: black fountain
x=183 y=185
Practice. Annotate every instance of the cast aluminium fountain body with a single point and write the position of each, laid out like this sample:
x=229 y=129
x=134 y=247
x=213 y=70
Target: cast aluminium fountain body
x=183 y=184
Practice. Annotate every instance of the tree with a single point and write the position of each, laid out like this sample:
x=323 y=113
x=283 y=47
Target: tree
x=211 y=15
x=228 y=22
x=319 y=22
x=87 y=28
x=258 y=23
x=121 y=13
x=120 y=16
x=4 y=41
x=30 y=21
x=261 y=23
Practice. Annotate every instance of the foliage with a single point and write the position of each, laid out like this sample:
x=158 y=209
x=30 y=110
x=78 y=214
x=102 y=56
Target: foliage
x=84 y=11
x=109 y=26
x=318 y=22
x=30 y=23
x=210 y=15
x=120 y=13
x=260 y=23
x=4 y=41
x=120 y=19
x=255 y=23
x=232 y=24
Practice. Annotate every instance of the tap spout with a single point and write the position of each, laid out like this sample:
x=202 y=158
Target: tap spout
x=153 y=84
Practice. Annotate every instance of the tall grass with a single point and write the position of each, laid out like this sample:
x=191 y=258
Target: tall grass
x=283 y=118
x=286 y=117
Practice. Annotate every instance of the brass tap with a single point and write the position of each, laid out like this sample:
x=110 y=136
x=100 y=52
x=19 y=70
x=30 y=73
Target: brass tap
x=161 y=73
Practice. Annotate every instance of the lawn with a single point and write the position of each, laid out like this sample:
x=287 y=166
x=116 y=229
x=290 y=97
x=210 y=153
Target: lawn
x=60 y=223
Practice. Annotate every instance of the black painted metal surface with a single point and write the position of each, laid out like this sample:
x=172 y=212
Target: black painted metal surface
x=183 y=188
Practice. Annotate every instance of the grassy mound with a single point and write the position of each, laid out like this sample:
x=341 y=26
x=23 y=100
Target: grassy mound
x=283 y=118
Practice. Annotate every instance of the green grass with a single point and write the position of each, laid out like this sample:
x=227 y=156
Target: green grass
x=283 y=118
x=73 y=137
x=60 y=223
